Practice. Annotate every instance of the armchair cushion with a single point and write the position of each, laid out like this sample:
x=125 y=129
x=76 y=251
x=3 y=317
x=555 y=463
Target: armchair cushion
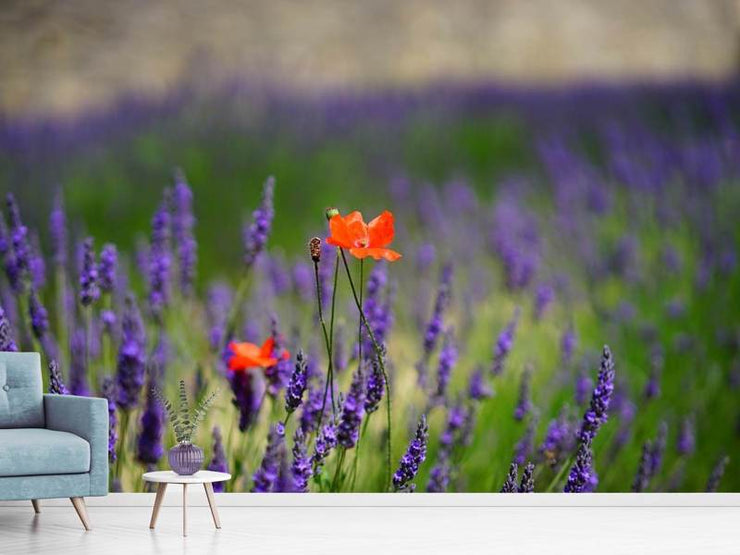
x=36 y=451
x=86 y=417
x=21 y=404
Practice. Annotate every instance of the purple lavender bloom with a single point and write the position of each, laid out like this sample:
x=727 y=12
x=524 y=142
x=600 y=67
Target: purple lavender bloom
x=219 y=299
x=544 y=296
x=58 y=230
x=581 y=473
x=278 y=375
x=375 y=309
x=36 y=264
x=219 y=462
x=39 y=315
x=375 y=387
x=183 y=223
x=584 y=385
x=108 y=267
x=78 y=364
x=248 y=389
x=504 y=343
x=20 y=261
x=658 y=450
x=301 y=467
x=303 y=280
x=425 y=255
x=325 y=442
x=527 y=483
x=256 y=234
x=160 y=260
x=413 y=458
x=131 y=356
x=297 y=385
x=479 y=388
x=436 y=322
x=352 y=412
x=6 y=333
x=266 y=476
x=525 y=446
x=652 y=387
x=440 y=475
x=524 y=404
x=596 y=415
x=644 y=470
x=568 y=345
x=56 y=384
x=108 y=391
x=510 y=484
x=686 y=437
x=559 y=439
x=149 y=448
x=447 y=361
x=716 y=476
x=312 y=408
x=89 y=289
x=108 y=319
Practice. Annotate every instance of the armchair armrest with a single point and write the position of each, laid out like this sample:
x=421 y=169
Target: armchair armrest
x=86 y=417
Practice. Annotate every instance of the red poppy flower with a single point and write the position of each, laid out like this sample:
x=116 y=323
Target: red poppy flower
x=248 y=355
x=361 y=239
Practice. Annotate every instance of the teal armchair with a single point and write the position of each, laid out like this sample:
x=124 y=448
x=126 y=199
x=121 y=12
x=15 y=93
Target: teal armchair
x=50 y=445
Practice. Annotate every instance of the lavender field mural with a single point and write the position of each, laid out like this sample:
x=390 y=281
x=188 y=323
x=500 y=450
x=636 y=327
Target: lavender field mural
x=457 y=289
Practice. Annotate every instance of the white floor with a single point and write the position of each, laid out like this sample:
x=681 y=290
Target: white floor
x=383 y=530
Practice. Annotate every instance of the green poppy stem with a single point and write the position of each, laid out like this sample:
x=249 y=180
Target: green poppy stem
x=381 y=363
x=328 y=338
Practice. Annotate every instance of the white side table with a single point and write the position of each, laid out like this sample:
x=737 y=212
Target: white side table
x=205 y=477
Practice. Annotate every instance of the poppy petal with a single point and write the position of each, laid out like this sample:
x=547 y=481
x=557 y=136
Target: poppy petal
x=381 y=230
x=376 y=253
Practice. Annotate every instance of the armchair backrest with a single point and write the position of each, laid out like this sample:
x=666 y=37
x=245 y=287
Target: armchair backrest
x=21 y=396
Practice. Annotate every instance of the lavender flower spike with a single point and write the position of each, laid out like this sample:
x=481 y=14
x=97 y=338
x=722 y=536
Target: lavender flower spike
x=581 y=473
x=266 y=475
x=478 y=389
x=686 y=438
x=6 y=333
x=301 y=466
x=524 y=404
x=56 y=385
x=297 y=385
x=78 y=364
x=510 y=485
x=107 y=268
x=183 y=222
x=412 y=459
x=325 y=442
x=160 y=260
x=436 y=322
x=149 y=448
x=255 y=236
x=504 y=343
x=21 y=252
x=527 y=483
x=219 y=462
x=131 y=356
x=596 y=415
x=89 y=289
x=447 y=360
x=39 y=316
x=108 y=391
x=58 y=230
x=644 y=471
x=353 y=410
x=375 y=387
x=717 y=472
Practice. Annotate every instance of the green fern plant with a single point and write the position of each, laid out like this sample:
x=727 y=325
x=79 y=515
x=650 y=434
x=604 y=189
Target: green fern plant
x=184 y=422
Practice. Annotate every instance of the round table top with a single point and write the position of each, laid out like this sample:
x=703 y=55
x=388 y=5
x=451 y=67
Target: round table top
x=200 y=477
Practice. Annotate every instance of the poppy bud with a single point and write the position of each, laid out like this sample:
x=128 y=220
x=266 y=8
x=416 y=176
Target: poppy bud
x=314 y=247
x=331 y=212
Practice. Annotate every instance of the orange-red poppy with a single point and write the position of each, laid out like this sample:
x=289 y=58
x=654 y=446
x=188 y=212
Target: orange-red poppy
x=248 y=355
x=361 y=239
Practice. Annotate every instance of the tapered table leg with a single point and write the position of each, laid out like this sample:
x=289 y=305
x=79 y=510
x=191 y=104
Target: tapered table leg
x=161 y=488
x=81 y=508
x=212 y=503
x=36 y=506
x=184 y=509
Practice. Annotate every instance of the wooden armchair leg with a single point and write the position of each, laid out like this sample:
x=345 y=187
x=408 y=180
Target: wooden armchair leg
x=36 y=506
x=81 y=508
